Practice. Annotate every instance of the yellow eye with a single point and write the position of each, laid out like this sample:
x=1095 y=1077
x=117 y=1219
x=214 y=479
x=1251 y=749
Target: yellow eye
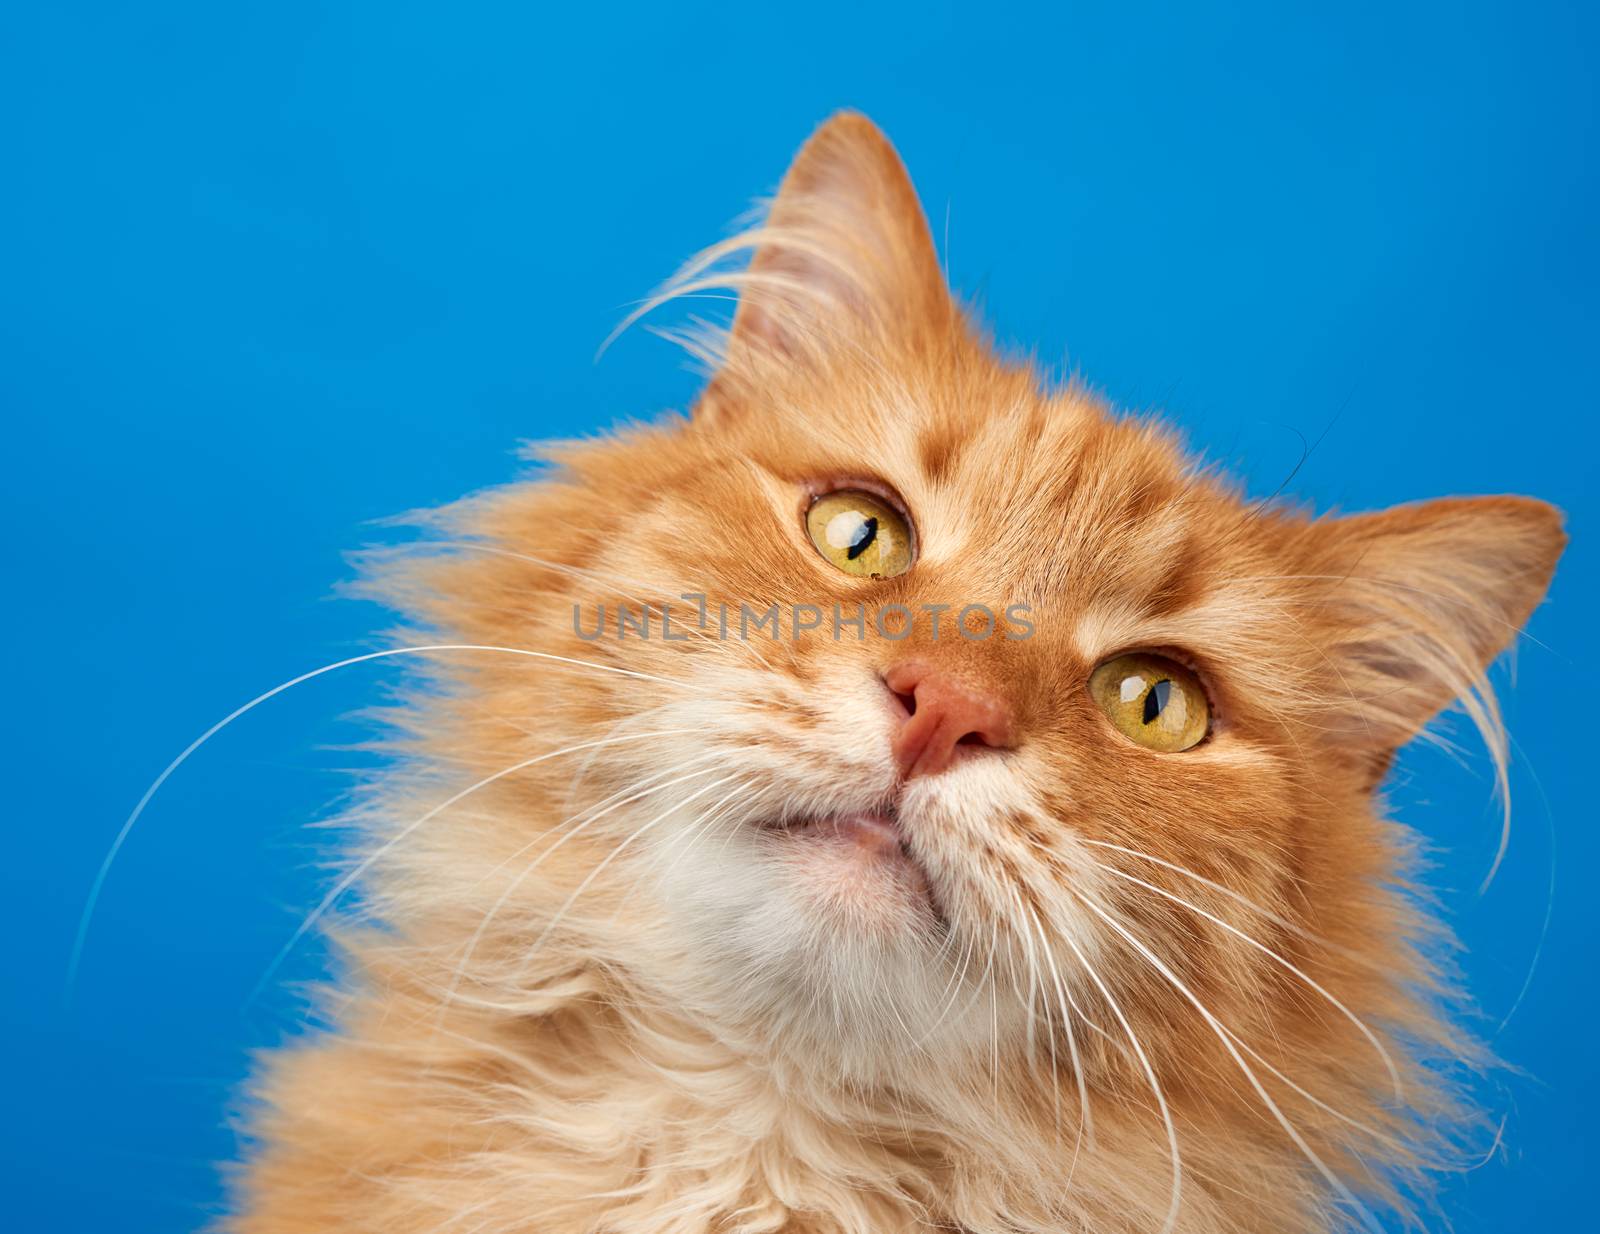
x=1152 y=700
x=860 y=533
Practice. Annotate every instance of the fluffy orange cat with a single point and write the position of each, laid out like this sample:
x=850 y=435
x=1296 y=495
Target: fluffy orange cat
x=729 y=881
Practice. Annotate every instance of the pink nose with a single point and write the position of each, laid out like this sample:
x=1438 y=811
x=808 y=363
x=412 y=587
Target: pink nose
x=944 y=713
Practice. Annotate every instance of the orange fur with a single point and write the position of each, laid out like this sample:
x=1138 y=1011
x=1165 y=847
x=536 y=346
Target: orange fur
x=644 y=1019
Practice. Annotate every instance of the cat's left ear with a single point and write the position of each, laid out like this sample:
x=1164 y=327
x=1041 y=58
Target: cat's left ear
x=845 y=259
x=1417 y=601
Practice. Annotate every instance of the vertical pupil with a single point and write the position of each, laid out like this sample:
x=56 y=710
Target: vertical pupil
x=865 y=535
x=1155 y=702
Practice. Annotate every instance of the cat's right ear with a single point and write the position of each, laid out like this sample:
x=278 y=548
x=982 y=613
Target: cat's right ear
x=1416 y=602
x=845 y=259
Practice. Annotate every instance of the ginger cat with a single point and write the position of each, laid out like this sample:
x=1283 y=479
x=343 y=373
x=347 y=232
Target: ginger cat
x=1067 y=907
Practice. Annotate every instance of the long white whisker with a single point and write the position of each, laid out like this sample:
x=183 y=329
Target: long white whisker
x=952 y=989
x=1068 y=1008
x=1372 y=1038
x=702 y=827
x=1174 y=1154
x=1032 y=979
x=613 y=855
x=1367 y=1128
x=915 y=1042
x=1277 y=919
x=565 y=832
x=1035 y=982
x=1223 y=1036
x=76 y=956
x=353 y=876
x=994 y=1009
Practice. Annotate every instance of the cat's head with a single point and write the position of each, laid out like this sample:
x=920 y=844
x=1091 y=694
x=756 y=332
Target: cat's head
x=1118 y=805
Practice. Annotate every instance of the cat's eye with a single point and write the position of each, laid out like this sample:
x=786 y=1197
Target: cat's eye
x=1152 y=700
x=860 y=533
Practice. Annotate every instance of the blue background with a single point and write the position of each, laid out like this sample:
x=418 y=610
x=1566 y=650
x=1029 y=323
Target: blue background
x=268 y=272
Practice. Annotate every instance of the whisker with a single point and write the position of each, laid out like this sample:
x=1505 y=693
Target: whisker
x=1372 y=1038
x=1031 y=982
x=614 y=854
x=1381 y=1136
x=564 y=833
x=709 y=818
x=994 y=1007
x=1050 y=1032
x=701 y=828
x=952 y=989
x=81 y=935
x=1068 y=1009
x=1174 y=1154
x=1277 y=919
x=353 y=876
x=1224 y=1037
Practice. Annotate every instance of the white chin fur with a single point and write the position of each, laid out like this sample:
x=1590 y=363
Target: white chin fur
x=828 y=959
x=823 y=955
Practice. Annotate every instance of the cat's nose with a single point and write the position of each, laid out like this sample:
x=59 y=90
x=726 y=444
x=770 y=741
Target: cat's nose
x=943 y=713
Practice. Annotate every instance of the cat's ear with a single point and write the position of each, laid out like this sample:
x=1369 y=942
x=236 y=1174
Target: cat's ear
x=1418 y=601
x=845 y=257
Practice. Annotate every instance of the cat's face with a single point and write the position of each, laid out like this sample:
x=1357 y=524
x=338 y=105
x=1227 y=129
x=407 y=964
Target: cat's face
x=906 y=818
x=841 y=840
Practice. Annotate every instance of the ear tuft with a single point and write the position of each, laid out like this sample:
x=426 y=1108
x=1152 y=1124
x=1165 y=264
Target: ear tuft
x=1425 y=597
x=845 y=253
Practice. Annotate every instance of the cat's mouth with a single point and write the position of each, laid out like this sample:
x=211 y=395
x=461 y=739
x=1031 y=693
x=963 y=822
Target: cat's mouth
x=862 y=860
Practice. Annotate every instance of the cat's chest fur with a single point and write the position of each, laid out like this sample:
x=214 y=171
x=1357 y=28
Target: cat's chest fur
x=582 y=1120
